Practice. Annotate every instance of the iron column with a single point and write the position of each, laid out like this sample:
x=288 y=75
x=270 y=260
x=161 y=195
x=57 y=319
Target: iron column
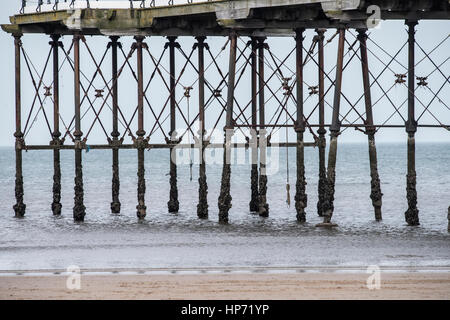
x=225 y=198
x=334 y=133
x=56 y=205
x=301 y=199
x=115 y=204
x=173 y=204
x=412 y=214
x=202 y=206
x=254 y=207
x=79 y=208
x=321 y=131
x=19 y=207
x=375 y=194
x=263 y=205
x=141 y=143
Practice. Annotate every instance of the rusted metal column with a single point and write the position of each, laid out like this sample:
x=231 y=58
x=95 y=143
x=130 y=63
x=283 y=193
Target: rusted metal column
x=173 y=203
x=301 y=199
x=115 y=204
x=375 y=186
x=202 y=206
x=321 y=131
x=79 y=210
x=263 y=205
x=334 y=133
x=19 y=207
x=225 y=198
x=56 y=141
x=412 y=214
x=448 y=218
x=254 y=207
x=140 y=142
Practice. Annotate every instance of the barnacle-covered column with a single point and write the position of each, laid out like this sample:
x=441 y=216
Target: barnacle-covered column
x=334 y=133
x=19 y=207
x=254 y=207
x=224 y=201
x=79 y=208
x=375 y=194
x=140 y=142
x=56 y=141
x=115 y=204
x=263 y=205
x=321 y=131
x=173 y=204
x=202 y=206
x=301 y=198
x=412 y=214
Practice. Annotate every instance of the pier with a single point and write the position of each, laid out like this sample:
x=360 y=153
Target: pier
x=278 y=98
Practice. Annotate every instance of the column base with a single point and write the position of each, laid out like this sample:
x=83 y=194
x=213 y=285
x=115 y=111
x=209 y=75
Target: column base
x=19 y=210
x=56 y=209
x=141 y=211
x=264 y=211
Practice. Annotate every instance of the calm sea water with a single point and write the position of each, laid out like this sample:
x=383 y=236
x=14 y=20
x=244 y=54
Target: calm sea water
x=41 y=241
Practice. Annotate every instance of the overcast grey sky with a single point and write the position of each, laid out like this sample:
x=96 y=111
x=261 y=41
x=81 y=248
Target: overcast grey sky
x=391 y=35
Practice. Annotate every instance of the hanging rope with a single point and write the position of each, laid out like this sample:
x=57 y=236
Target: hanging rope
x=287 y=93
x=288 y=186
x=187 y=94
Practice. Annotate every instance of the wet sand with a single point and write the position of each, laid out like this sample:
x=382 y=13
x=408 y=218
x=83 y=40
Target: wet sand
x=407 y=285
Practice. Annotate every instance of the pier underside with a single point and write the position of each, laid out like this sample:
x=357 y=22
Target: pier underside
x=250 y=96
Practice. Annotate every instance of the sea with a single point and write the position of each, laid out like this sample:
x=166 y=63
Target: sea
x=106 y=241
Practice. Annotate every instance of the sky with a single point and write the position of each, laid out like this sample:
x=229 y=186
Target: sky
x=390 y=35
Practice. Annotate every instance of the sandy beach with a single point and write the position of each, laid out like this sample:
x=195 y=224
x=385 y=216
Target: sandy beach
x=411 y=285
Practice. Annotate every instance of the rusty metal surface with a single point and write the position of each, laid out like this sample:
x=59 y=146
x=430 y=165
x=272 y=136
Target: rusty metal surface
x=412 y=213
x=115 y=183
x=202 y=206
x=328 y=206
x=301 y=198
